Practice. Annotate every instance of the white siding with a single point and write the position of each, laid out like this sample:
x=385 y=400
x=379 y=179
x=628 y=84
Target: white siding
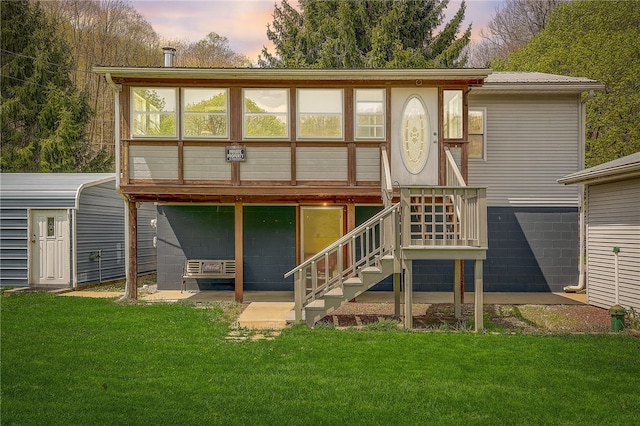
x=368 y=164
x=206 y=163
x=613 y=215
x=532 y=141
x=321 y=163
x=266 y=163
x=153 y=162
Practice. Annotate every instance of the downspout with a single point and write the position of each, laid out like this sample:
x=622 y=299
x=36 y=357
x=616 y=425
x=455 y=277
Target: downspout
x=581 y=204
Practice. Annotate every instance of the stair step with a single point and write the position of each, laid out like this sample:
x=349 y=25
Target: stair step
x=371 y=270
x=316 y=305
x=352 y=281
x=335 y=293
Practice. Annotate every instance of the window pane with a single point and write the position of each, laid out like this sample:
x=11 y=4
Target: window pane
x=452 y=114
x=476 y=148
x=476 y=122
x=369 y=113
x=266 y=113
x=154 y=112
x=205 y=113
x=320 y=113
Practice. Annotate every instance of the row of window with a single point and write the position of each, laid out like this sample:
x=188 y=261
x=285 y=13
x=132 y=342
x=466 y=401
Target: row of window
x=205 y=113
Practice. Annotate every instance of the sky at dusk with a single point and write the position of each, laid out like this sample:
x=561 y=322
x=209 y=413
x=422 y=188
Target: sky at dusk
x=244 y=22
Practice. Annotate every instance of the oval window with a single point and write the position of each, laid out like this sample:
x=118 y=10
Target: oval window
x=415 y=131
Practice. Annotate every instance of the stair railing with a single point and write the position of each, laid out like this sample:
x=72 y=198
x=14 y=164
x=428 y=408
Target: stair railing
x=358 y=249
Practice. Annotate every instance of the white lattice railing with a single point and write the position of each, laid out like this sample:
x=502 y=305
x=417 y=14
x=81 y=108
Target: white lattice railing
x=444 y=216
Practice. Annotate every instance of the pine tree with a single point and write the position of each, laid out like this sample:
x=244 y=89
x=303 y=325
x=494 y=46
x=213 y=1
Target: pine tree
x=365 y=34
x=43 y=115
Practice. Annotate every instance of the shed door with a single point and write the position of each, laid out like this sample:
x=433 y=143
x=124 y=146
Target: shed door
x=49 y=247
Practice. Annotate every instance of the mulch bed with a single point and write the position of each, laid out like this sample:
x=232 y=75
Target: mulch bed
x=499 y=318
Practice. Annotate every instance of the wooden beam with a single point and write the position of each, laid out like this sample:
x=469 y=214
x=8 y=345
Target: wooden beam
x=239 y=282
x=457 y=296
x=479 y=318
x=131 y=286
x=408 y=294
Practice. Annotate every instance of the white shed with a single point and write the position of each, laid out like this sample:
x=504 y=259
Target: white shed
x=612 y=193
x=66 y=230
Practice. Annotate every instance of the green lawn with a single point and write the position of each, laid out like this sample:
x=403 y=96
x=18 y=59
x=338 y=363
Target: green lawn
x=75 y=361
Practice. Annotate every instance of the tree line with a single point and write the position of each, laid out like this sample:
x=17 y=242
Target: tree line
x=57 y=116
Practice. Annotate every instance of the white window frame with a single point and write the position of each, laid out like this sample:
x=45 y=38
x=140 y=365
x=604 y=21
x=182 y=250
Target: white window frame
x=184 y=113
x=328 y=114
x=383 y=115
x=483 y=110
x=286 y=114
x=135 y=113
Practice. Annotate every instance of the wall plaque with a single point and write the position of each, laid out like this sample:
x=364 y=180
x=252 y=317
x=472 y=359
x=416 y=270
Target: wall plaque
x=236 y=153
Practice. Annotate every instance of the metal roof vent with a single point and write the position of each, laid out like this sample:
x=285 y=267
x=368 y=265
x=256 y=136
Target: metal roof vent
x=169 y=56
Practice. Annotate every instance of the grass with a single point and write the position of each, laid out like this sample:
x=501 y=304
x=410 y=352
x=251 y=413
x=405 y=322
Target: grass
x=75 y=361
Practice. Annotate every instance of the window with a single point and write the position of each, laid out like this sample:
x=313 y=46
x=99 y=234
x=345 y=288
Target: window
x=320 y=113
x=205 y=113
x=266 y=113
x=154 y=112
x=452 y=114
x=477 y=132
x=370 y=113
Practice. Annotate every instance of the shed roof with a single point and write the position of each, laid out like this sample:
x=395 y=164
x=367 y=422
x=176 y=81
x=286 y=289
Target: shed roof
x=621 y=168
x=64 y=188
x=509 y=81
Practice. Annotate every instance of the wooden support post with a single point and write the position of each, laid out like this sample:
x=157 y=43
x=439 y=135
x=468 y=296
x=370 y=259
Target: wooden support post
x=408 y=295
x=396 y=294
x=479 y=322
x=239 y=284
x=457 y=291
x=131 y=286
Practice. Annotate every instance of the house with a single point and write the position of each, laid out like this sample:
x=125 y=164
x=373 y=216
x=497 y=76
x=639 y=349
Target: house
x=66 y=230
x=308 y=173
x=612 y=216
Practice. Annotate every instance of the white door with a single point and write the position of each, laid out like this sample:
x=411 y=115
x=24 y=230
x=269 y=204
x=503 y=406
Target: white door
x=414 y=136
x=49 y=247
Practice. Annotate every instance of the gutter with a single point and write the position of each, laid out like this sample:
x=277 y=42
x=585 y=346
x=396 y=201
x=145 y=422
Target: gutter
x=581 y=203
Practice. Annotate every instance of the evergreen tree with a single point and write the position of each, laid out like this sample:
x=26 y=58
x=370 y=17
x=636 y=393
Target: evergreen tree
x=43 y=115
x=365 y=34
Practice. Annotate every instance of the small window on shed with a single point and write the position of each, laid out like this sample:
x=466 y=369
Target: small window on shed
x=154 y=112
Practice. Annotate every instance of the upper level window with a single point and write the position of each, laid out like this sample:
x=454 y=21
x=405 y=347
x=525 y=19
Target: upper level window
x=370 y=113
x=205 y=113
x=154 y=112
x=266 y=113
x=320 y=114
x=452 y=114
x=477 y=132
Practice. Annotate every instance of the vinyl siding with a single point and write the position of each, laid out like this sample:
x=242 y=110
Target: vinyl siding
x=100 y=226
x=13 y=247
x=206 y=163
x=613 y=220
x=319 y=163
x=531 y=142
x=153 y=162
x=266 y=163
x=367 y=164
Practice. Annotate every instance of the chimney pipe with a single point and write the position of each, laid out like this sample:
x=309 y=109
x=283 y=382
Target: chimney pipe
x=169 y=56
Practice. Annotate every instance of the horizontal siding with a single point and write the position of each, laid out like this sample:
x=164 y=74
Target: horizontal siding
x=100 y=226
x=266 y=163
x=531 y=142
x=153 y=162
x=320 y=164
x=206 y=163
x=368 y=164
x=613 y=220
x=14 y=240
